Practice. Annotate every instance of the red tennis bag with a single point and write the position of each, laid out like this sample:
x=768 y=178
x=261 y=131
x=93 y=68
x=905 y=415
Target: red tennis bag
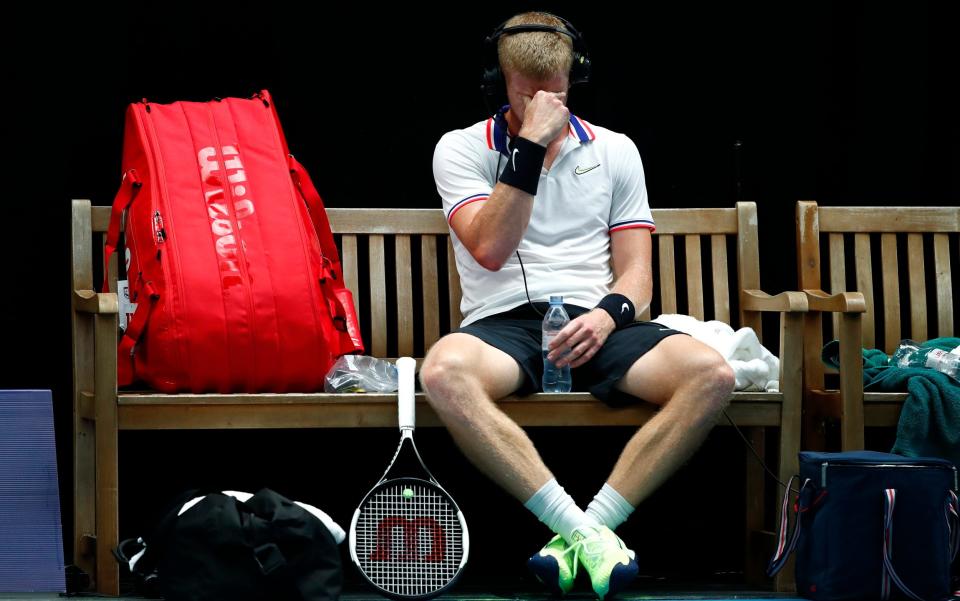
x=234 y=278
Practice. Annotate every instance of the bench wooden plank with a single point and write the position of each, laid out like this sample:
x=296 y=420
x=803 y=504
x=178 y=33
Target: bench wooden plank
x=381 y=411
x=431 y=298
x=941 y=259
x=891 y=292
x=128 y=399
x=404 y=277
x=748 y=262
x=695 y=221
x=694 y=277
x=883 y=220
x=721 y=278
x=838 y=273
x=387 y=221
x=668 y=282
x=865 y=285
x=350 y=262
x=99 y=219
x=453 y=282
x=918 y=287
x=378 y=296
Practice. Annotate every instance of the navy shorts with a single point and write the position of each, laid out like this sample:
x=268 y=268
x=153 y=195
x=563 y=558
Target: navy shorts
x=518 y=333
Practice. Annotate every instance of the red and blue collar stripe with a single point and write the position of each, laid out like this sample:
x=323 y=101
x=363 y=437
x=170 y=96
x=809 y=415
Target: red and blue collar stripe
x=498 y=137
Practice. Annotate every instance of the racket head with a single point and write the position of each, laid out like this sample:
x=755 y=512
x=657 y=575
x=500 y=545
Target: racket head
x=411 y=546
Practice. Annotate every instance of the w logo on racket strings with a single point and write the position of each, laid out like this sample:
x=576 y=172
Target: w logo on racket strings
x=411 y=540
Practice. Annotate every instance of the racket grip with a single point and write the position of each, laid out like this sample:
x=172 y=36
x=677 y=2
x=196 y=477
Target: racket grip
x=406 y=375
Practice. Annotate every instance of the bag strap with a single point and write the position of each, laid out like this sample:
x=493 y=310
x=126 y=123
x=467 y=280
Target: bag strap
x=339 y=300
x=801 y=506
x=890 y=575
x=953 y=524
x=318 y=214
x=129 y=187
x=132 y=335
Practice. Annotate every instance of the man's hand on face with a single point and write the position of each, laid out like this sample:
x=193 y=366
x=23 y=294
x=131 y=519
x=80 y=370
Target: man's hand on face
x=545 y=116
x=583 y=337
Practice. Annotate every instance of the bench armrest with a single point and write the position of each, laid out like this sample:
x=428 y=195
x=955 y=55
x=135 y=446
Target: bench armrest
x=89 y=301
x=844 y=302
x=758 y=300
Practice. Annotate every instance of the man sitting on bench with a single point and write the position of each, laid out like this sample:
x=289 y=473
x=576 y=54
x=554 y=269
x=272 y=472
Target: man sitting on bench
x=540 y=203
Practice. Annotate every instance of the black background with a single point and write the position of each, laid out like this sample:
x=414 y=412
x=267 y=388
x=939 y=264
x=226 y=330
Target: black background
x=846 y=103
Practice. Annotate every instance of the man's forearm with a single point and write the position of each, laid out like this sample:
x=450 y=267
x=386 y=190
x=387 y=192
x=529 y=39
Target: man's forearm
x=499 y=225
x=635 y=283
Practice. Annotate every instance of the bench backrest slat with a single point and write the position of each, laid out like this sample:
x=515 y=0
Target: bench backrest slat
x=864 y=261
x=668 y=283
x=891 y=291
x=918 y=285
x=378 y=295
x=941 y=253
x=721 y=283
x=694 y=276
x=404 y=273
x=431 y=294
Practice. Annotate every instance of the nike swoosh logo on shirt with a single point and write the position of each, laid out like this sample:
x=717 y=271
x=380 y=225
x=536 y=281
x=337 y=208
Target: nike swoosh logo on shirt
x=580 y=171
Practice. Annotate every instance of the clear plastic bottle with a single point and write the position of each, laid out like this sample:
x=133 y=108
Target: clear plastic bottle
x=911 y=354
x=554 y=379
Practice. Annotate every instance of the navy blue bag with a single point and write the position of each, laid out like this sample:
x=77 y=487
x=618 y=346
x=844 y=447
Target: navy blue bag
x=872 y=526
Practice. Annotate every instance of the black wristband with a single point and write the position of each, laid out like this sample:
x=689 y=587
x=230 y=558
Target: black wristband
x=524 y=165
x=619 y=307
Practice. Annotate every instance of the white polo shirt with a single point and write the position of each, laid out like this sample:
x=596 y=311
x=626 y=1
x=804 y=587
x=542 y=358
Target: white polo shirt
x=595 y=186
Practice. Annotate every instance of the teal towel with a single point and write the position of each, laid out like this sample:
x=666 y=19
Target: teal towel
x=930 y=421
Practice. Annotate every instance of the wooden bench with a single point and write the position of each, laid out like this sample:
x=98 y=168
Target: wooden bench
x=399 y=264
x=907 y=293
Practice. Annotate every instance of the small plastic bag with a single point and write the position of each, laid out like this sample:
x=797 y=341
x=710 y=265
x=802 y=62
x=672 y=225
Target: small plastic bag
x=361 y=373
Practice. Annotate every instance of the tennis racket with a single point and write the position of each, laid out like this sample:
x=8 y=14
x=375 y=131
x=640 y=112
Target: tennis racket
x=408 y=538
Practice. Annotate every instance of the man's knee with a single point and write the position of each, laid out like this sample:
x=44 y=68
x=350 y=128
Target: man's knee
x=721 y=381
x=441 y=371
x=715 y=382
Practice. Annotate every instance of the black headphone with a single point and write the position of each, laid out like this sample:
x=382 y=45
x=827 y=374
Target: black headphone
x=493 y=85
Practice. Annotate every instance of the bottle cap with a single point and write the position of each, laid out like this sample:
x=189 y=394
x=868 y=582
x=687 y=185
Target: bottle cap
x=556 y=299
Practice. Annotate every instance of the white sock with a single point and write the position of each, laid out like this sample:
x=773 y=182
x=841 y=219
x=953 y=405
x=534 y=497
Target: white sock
x=557 y=509
x=609 y=507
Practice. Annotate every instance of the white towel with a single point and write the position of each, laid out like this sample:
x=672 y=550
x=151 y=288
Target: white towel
x=755 y=368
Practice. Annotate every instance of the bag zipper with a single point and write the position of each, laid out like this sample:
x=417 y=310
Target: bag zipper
x=825 y=464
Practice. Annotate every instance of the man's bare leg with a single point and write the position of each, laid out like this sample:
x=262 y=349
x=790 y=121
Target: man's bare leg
x=462 y=377
x=692 y=383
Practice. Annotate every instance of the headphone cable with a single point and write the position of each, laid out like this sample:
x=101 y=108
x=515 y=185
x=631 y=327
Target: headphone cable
x=527 y=290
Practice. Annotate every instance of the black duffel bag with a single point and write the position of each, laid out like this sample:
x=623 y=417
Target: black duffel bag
x=218 y=547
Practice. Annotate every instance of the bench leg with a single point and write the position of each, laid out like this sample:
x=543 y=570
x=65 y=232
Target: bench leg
x=851 y=382
x=791 y=358
x=84 y=449
x=105 y=399
x=755 y=560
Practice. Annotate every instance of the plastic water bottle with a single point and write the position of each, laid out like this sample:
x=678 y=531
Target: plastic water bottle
x=911 y=354
x=555 y=379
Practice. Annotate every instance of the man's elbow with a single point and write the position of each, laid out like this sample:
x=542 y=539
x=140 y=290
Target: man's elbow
x=489 y=259
x=490 y=264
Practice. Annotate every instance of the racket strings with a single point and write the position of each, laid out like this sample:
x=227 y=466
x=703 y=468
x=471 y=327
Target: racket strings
x=409 y=544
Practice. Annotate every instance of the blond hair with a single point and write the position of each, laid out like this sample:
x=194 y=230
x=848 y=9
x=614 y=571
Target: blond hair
x=536 y=54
